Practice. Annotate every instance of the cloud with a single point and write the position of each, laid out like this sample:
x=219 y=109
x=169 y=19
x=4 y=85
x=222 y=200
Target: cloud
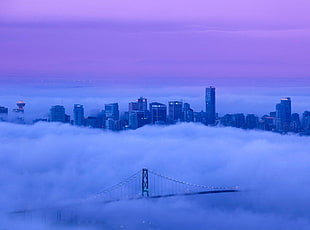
x=153 y=52
x=199 y=39
x=45 y=163
x=283 y=12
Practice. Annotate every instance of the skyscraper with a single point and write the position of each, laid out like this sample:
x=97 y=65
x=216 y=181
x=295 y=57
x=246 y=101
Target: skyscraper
x=238 y=120
x=142 y=104
x=175 y=111
x=306 y=120
x=188 y=113
x=94 y=122
x=138 y=114
x=57 y=114
x=137 y=119
x=158 y=113
x=78 y=112
x=251 y=121
x=139 y=105
x=133 y=106
x=210 y=106
x=111 y=111
x=295 y=124
x=283 y=115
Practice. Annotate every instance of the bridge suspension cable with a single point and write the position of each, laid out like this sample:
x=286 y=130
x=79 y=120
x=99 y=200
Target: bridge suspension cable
x=191 y=184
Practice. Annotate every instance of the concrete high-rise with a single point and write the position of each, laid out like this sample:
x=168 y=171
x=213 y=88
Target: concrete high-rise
x=210 y=106
x=158 y=113
x=175 y=111
x=188 y=113
x=137 y=119
x=78 y=113
x=133 y=106
x=139 y=105
x=57 y=114
x=251 y=121
x=283 y=115
x=111 y=111
x=142 y=104
x=138 y=115
x=295 y=123
x=306 y=120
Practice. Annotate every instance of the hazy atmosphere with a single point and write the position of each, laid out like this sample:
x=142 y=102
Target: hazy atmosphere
x=248 y=100
x=154 y=114
x=162 y=42
x=45 y=163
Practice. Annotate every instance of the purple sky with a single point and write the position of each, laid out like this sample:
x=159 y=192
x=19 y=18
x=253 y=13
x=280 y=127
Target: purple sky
x=156 y=42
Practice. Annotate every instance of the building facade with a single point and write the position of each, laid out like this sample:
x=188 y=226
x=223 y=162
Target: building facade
x=78 y=112
x=57 y=114
x=158 y=113
x=210 y=106
x=111 y=111
x=283 y=115
x=175 y=111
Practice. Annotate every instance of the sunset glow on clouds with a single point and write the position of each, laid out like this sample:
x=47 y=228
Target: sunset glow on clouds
x=96 y=52
x=131 y=42
x=278 y=13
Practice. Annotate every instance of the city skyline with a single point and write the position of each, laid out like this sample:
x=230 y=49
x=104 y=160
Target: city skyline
x=141 y=113
x=209 y=100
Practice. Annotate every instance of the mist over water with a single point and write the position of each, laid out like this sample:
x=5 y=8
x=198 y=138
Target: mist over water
x=46 y=163
x=56 y=52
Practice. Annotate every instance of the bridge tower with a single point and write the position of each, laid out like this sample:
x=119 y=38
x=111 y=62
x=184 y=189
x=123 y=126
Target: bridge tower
x=145 y=183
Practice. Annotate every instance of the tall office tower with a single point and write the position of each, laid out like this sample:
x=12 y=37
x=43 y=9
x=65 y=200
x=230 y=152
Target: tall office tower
x=273 y=114
x=57 y=114
x=118 y=125
x=133 y=120
x=175 y=111
x=188 y=113
x=78 y=112
x=138 y=114
x=238 y=120
x=295 y=125
x=137 y=119
x=283 y=115
x=251 y=121
x=94 y=122
x=199 y=116
x=142 y=104
x=210 y=106
x=111 y=111
x=227 y=120
x=4 y=113
x=139 y=105
x=268 y=122
x=306 y=120
x=110 y=124
x=158 y=113
x=133 y=106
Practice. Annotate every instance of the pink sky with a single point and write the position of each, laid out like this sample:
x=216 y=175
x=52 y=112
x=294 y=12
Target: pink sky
x=155 y=41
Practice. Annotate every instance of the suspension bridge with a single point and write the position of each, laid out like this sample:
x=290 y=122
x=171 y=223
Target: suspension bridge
x=144 y=184
x=150 y=184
